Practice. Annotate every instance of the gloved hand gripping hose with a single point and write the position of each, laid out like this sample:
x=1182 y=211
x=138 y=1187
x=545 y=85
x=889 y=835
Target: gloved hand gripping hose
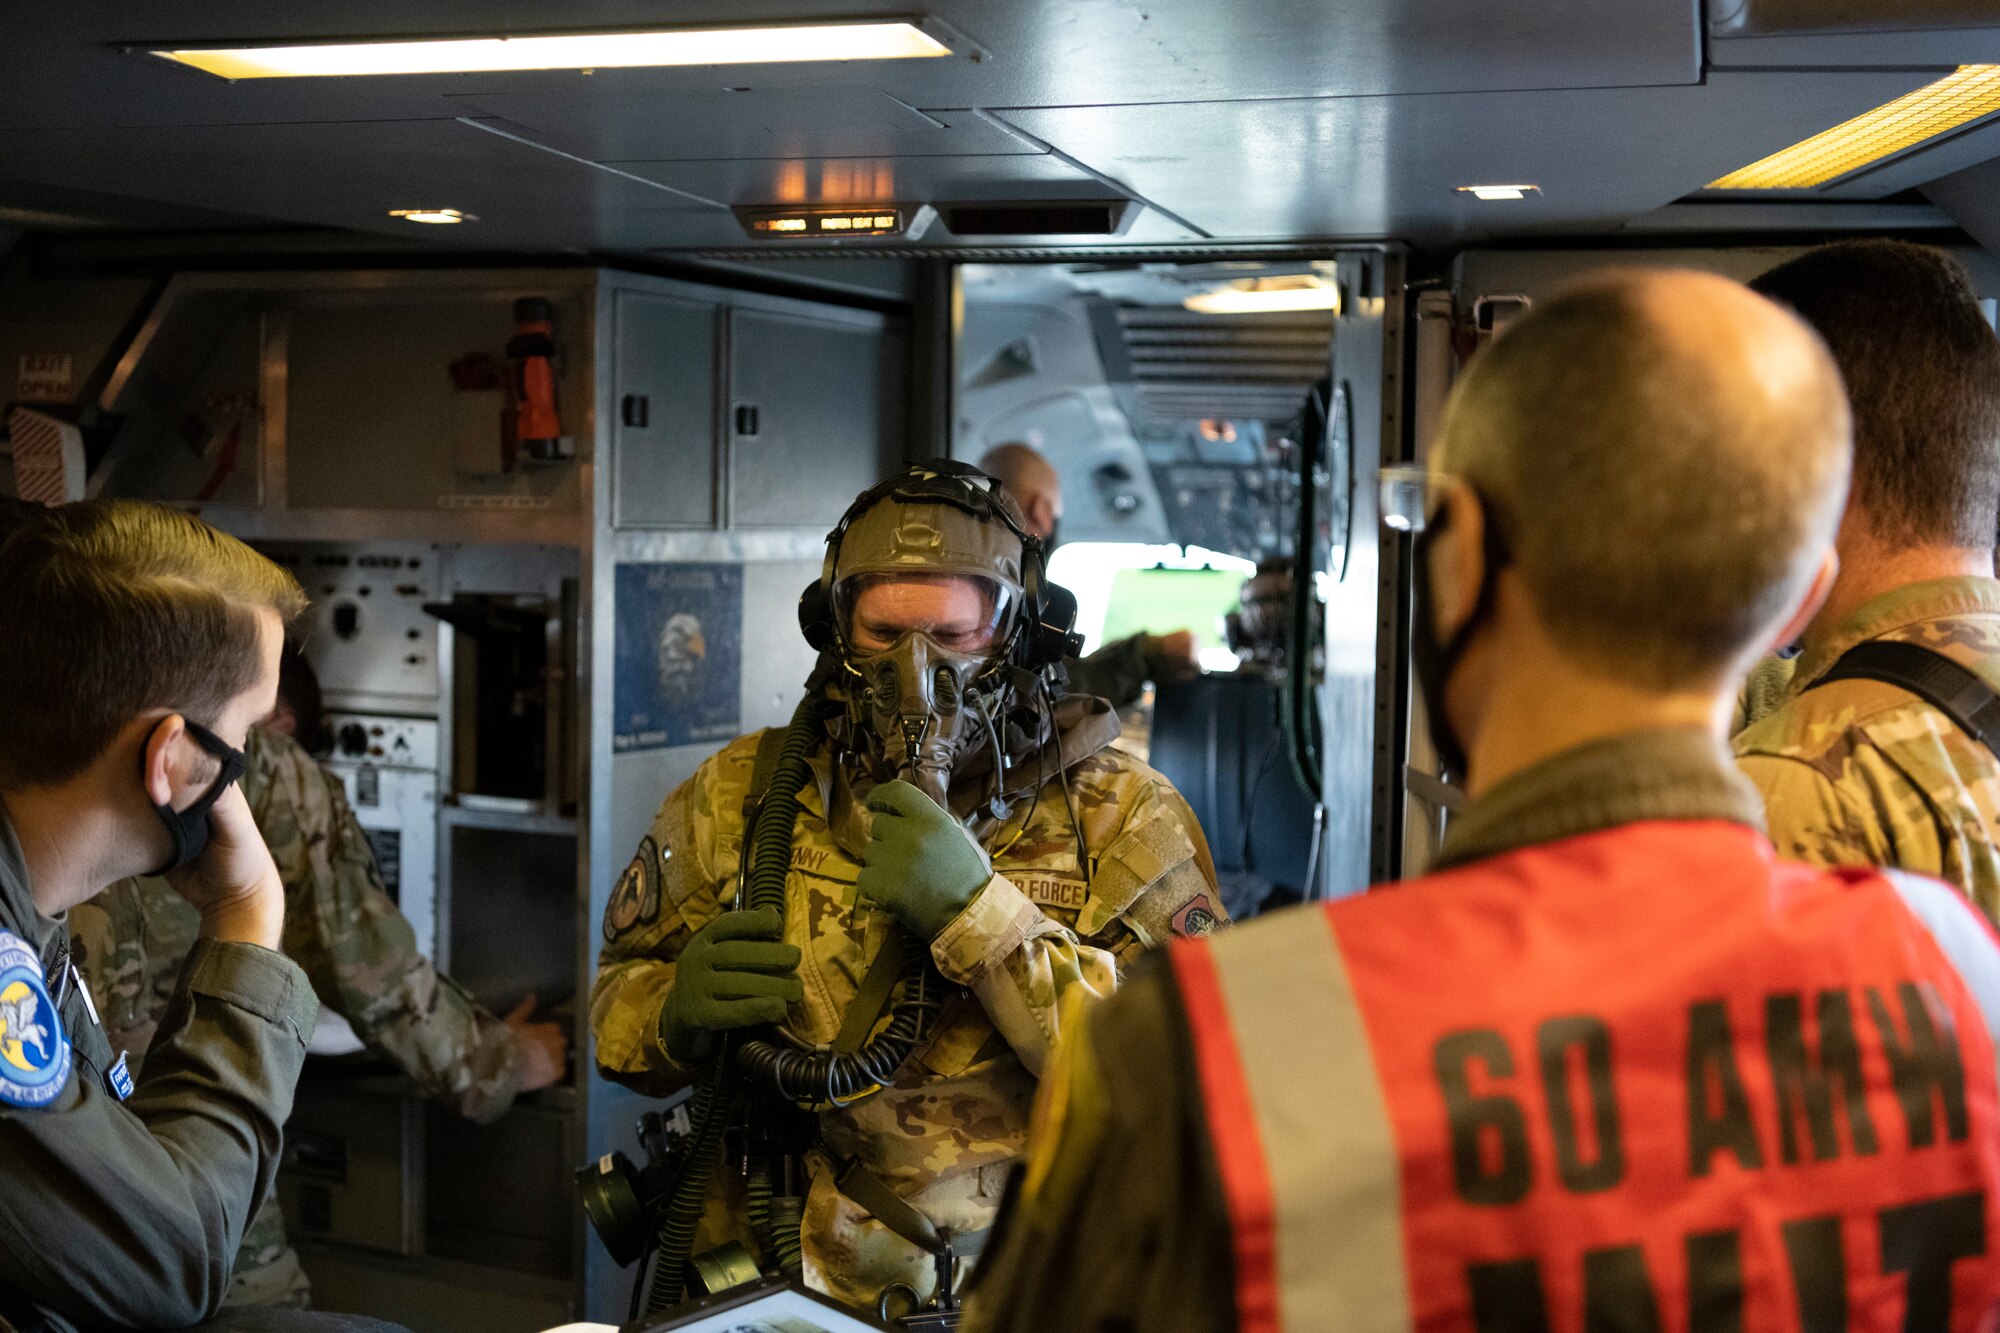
x=770 y=852
x=809 y=1077
x=812 y=1077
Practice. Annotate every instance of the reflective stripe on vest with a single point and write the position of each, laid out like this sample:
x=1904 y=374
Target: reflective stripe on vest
x=1328 y=1124
x=1644 y=1080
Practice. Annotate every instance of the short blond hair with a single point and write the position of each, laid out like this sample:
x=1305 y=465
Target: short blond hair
x=1665 y=456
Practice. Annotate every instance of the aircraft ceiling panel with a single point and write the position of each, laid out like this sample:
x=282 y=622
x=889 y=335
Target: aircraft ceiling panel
x=1972 y=198
x=60 y=65
x=833 y=120
x=350 y=175
x=863 y=180
x=1939 y=48
x=1366 y=166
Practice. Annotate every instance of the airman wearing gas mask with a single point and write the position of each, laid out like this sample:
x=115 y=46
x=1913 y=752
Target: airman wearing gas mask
x=954 y=808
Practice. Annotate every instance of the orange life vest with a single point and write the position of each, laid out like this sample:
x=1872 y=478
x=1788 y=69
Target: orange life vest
x=1648 y=1079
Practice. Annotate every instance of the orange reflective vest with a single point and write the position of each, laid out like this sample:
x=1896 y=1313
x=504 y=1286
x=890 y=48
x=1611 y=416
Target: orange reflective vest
x=1648 y=1079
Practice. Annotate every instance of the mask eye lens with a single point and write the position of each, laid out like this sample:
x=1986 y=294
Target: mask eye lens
x=1404 y=497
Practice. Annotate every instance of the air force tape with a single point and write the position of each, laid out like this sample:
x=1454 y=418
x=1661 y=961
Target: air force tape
x=34 y=1046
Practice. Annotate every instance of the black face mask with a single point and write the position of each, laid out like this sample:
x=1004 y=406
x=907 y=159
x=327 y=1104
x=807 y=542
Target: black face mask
x=1434 y=661
x=190 y=828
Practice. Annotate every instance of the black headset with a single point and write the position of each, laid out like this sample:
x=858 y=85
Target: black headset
x=1046 y=632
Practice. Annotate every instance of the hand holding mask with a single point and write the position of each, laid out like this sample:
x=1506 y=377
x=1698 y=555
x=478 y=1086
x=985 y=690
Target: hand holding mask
x=920 y=864
x=233 y=882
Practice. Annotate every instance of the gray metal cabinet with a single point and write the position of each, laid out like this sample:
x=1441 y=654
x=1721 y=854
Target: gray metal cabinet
x=814 y=415
x=664 y=411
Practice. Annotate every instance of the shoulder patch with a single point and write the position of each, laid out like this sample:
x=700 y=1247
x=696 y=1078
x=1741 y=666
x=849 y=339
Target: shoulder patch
x=637 y=897
x=34 y=1045
x=1196 y=917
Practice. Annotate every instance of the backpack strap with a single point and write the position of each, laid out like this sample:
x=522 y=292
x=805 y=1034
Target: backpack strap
x=1954 y=690
x=768 y=747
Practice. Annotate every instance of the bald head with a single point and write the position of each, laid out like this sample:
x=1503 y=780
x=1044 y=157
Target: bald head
x=1030 y=481
x=1665 y=455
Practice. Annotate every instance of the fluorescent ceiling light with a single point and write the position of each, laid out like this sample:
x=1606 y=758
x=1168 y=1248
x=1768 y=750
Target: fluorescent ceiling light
x=1963 y=96
x=595 y=50
x=1261 y=296
x=1493 y=193
x=434 y=216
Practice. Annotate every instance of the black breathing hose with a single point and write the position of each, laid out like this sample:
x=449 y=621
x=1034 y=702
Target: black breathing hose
x=819 y=1077
x=764 y=885
x=1302 y=723
x=809 y=1077
x=708 y=1112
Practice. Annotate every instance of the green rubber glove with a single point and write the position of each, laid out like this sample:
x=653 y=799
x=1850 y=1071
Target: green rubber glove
x=921 y=864
x=734 y=973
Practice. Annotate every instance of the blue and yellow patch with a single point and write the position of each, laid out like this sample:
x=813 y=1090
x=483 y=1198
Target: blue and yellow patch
x=34 y=1046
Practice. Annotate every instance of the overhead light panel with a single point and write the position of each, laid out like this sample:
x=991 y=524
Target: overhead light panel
x=434 y=216
x=1263 y=296
x=791 y=224
x=1959 y=98
x=1498 y=193
x=767 y=44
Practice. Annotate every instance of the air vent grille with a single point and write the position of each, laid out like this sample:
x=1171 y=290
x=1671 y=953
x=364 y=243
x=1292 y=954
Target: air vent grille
x=1236 y=367
x=1087 y=217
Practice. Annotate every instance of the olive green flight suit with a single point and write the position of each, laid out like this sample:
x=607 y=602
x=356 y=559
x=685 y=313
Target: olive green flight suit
x=129 y=1213
x=357 y=950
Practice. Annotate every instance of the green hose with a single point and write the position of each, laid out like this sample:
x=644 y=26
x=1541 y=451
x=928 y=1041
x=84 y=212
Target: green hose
x=787 y=1215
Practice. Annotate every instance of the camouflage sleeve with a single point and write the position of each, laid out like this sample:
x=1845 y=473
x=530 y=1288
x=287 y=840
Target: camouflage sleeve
x=1116 y=672
x=1033 y=974
x=361 y=954
x=1118 y=1219
x=1811 y=818
x=123 y=966
x=684 y=870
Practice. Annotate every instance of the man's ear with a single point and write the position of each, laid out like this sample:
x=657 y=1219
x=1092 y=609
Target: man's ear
x=1808 y=607
x=1041 y=514
x=1457 y=558
x=157 y=751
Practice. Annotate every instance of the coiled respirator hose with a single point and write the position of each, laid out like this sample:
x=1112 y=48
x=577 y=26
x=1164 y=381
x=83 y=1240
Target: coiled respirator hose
x=810 y=1077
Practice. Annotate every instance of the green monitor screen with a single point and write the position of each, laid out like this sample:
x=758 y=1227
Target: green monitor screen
x=1159 y=601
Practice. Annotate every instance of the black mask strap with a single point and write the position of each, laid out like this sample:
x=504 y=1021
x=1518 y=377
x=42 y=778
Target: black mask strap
x=189 y=829
x=1434 y=661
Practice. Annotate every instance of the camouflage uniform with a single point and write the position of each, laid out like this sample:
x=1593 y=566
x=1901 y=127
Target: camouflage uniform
x=1041 y=937
x=1117 y=672
x=1862 y=773
x=1763 y=692
x=356 y=948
